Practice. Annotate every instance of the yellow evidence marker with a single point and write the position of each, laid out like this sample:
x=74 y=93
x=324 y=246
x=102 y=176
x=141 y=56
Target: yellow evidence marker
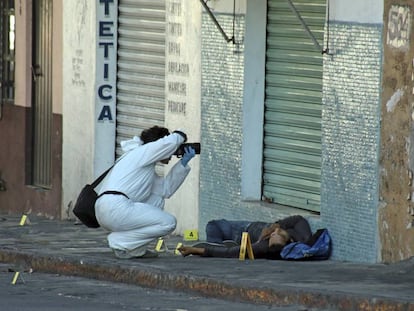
x=15 y=277
x=176 y=251
x=246 y=245
x=160 y=244
x=191 y=235
x=23 y=220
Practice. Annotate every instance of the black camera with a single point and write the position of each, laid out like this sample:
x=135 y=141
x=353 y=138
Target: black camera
x=180 y=151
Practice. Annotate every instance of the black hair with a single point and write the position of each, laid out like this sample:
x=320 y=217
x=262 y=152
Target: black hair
x=154 y=133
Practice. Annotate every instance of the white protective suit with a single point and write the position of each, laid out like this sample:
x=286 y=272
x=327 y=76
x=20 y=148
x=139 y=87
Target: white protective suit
x=137 y=220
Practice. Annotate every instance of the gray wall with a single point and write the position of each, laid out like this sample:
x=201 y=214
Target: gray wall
x=350 y=137
x=222 y=129
x=350 y=140
x=221 y=126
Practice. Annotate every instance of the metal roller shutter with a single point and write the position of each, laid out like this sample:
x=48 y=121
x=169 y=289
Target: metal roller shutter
x=292 y=131
x=141 y=67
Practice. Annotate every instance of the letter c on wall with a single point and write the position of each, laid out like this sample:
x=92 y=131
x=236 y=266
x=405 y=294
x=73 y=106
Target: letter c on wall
x=101 y=91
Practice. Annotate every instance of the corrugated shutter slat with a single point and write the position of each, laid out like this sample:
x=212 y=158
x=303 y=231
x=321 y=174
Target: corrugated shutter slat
x=292 y=152
x=141 y=67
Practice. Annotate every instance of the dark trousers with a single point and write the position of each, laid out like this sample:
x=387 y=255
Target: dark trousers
x=221 y=230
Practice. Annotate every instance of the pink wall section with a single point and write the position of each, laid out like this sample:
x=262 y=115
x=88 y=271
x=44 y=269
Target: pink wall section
x=15 y=166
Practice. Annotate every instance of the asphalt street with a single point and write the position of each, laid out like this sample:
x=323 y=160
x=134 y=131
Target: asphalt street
x=33 y=291
x=67 y=248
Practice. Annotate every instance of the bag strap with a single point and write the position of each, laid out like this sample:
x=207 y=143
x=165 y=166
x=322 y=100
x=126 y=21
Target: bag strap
x=100 y=178
x=113 y=192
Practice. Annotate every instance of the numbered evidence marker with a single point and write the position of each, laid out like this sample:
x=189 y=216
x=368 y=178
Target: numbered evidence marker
x=246 y=245
x=191 y=235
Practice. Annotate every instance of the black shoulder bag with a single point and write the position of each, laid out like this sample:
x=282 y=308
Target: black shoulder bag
x=85 y=204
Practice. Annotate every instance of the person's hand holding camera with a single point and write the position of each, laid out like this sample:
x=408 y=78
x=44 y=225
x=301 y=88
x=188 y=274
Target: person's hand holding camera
x=189 y=153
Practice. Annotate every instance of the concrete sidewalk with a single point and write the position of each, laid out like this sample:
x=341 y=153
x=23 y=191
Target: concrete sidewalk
x=65 y=247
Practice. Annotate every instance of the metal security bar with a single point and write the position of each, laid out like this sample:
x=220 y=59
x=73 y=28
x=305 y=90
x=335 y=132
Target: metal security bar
x=42 y=96
x=7 y=50
x=305 y=26
x=215 y=21
x=309 y=31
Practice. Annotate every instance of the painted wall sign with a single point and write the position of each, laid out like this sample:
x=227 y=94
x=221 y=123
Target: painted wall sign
x=105 y=83
x=399 y=25
x=183 y=96
x=77 y=66
x=178 y=72
x=106 y=59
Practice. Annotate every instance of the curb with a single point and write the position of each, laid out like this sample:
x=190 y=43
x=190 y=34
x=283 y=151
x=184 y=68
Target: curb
x=200 y=285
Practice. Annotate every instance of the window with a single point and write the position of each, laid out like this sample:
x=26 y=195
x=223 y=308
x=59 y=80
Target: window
x=7 y=51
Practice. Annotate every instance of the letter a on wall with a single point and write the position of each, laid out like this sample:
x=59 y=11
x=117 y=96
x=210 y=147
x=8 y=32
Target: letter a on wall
x=105 y=114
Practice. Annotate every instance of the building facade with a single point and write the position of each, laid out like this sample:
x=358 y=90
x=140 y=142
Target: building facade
x=31 y=107
x=300 y=108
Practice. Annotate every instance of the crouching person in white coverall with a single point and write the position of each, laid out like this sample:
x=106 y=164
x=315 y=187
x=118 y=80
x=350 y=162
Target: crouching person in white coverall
x=137 y=219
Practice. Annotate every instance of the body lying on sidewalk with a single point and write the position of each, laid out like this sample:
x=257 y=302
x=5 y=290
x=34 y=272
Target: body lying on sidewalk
x=267 y=245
